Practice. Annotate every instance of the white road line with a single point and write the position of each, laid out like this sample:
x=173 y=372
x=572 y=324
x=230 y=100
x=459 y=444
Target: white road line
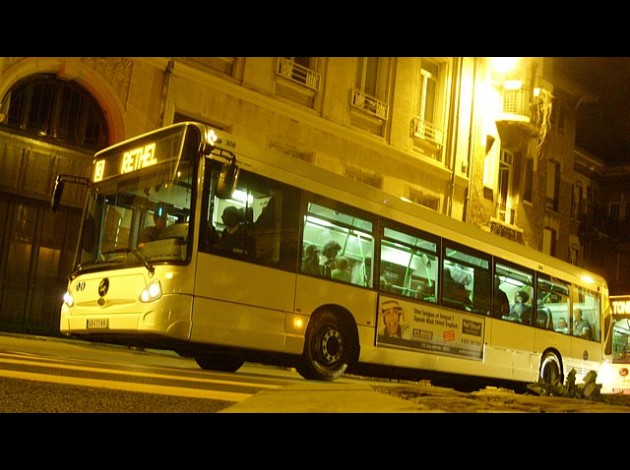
x=130 y=386
x=131 y=373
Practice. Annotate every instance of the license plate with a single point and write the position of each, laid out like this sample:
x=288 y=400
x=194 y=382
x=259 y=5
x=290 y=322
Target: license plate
x=97 y=323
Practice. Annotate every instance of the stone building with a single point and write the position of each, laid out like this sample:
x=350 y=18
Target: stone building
x=457 y=134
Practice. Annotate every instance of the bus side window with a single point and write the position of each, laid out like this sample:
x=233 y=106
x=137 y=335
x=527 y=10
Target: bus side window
x=340 y=231
x=270 y=218
x=409 y=264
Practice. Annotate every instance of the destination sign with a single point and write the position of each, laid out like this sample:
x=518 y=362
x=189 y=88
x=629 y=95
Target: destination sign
x=144 y=152
x=620 y=305
x=140 y=157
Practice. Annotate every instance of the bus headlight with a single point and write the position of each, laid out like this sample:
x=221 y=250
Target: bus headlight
x=151 y=292
x=68 y=299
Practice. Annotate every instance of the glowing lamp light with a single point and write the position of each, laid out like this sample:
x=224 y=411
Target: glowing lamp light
x=242 y=196
x=588 y=279
x=211 y=136
x=68 y=299
x=504 y=64
x=152 y=292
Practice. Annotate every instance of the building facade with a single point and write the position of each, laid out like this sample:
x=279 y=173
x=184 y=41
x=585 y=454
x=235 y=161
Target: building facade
x=491 y=146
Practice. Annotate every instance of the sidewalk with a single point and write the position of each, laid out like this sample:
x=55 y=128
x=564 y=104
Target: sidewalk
x=324 y=397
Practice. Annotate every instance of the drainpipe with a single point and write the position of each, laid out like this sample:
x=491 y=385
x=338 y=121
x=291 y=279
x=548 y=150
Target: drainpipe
x=454 y=124
x=471 y=162
x=167 y=78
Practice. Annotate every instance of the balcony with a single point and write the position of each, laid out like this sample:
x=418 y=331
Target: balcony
x=503 y=223
x=521 y=111
x=505 y=214
x=370 y=105
x=298 y=73
x=427 y=131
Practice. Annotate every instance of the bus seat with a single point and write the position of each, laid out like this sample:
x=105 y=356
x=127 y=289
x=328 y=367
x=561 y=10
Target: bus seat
x=544 y=318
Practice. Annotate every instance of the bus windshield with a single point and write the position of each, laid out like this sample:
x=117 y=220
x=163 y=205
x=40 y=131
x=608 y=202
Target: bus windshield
x=141 y=216
x=621 y=339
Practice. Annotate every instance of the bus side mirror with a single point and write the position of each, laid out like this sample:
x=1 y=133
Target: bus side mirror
x=56 y=193
x=227 y=180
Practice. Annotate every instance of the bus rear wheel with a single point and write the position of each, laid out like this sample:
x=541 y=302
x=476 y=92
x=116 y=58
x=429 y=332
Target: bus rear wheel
x=550 y=369
x=327 y=349
x=220 y=362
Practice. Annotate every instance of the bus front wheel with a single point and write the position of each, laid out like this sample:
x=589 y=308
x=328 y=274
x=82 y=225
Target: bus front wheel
x=550 y=369
x=327 y=349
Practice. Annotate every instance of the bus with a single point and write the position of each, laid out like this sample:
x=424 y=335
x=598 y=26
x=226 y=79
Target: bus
x=417 y=296
x=616 y=375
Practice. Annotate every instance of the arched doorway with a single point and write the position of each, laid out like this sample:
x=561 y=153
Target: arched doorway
x=48 y=126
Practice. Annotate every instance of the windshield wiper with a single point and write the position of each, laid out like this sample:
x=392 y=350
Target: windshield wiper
x=143 y=260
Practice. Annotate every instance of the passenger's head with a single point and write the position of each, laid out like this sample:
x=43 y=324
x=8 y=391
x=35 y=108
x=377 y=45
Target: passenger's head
x=311 y=251
x=524 y=296
x=331 y=249
x=232 y=216
x=578 y=313
x=160 y=216
x=343 y=262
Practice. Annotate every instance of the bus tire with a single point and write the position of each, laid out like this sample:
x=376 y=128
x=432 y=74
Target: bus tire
x=328 y=348
x=220 y=362
x=550 y=369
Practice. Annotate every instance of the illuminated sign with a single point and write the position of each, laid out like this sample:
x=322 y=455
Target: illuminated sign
x=99 y=170
x=137 y=158
x=620 y=305
x=164 y=146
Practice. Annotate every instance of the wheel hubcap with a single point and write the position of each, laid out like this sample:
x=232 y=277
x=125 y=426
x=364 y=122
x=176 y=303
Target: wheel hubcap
x=331 y=346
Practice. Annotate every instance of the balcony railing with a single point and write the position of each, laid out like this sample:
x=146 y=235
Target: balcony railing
x=298 y=73
x=369 y=104
x=505 y=214
x=428 y=131
x=517 y=101
x=522 y=102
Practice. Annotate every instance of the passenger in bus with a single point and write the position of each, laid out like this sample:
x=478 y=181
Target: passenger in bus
x=455 y=293
x=425 y=290
x=310 y=263
x=330 y=251
x=581 y=326
x=234 y=238
x=395 y=324
x=153 y=232
x=343 y=271
x=501 y=305
x=520 y=311
x=562 y=326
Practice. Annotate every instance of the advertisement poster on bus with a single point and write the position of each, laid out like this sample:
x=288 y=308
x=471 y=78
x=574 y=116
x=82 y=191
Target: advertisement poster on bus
x=430 y=329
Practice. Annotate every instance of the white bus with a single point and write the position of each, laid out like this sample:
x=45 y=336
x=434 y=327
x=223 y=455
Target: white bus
x=415 y=297
x=616 y=375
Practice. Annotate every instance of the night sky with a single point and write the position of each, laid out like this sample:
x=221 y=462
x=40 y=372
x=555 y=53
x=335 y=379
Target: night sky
x=603 y=128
